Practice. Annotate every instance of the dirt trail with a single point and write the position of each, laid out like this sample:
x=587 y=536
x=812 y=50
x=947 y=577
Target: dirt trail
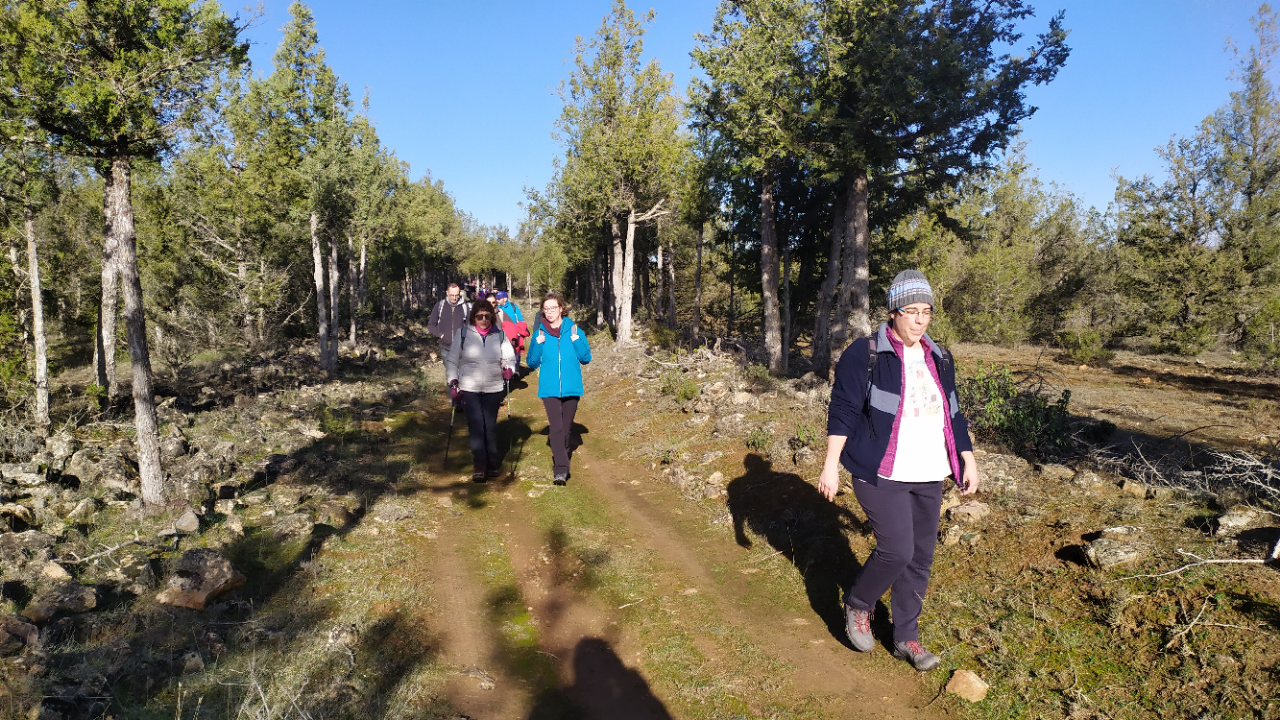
x=577 y=668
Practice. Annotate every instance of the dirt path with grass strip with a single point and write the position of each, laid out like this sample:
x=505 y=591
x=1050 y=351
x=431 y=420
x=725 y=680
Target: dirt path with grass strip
x=605 y=599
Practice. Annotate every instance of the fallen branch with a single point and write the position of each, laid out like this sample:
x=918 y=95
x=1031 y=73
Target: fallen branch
x=1275 y=554
x=95 y=556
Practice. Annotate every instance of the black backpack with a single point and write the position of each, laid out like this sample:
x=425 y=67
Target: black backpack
x=872 y=354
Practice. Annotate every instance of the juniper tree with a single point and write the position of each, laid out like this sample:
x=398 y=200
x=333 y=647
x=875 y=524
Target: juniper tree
x=113 y=81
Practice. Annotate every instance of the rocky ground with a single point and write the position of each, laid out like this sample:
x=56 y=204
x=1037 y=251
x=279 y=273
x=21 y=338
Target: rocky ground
x=326 y=559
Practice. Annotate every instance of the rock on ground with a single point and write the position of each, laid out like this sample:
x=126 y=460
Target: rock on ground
x=68 y=596
x=968 y=685
x=14 y=634
x=1237 y=518
x=202 y=574
x=1106 y=552
x=972 y=510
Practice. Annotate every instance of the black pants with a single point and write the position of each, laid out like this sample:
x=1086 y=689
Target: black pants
x=482 y=424
x=560 y=413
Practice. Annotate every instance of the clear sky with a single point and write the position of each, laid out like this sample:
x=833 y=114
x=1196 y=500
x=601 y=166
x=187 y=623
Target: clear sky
x=466 y=89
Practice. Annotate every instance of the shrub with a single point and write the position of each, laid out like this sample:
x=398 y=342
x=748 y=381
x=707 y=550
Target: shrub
x=1001 y=409
x=664 y=337
x=806 y=435
x=759 y=439
x=1085 y=347
x=675 y=383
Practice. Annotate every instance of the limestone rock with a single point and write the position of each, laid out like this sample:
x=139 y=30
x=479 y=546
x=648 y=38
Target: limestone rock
x=66 y=597
x=717 y=479
x=698 y=420
x=335 y=514
x=295 y=525
x=731 y=425
x=118 y=472
x=201 y=574
x=1106 y=552
x=15 y=634
x=83 y=510
x=61 y=446
x=715 y=390
x=1055 y=471
x=1237 y=518
x=54 y=571
x=24 y=474
x=972 y=510
x=17 y=512
x=84 y=466
x=392 y=513
x=188 y=522
x=172 y=448
x=742 y=398
x=1085 y=477
x=288 y=497
x=1123 y=532
x=1134 y=489
x=967 y=685
x=951 y=536
x=951 y=498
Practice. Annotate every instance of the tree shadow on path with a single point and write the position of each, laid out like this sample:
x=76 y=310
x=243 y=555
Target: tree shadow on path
x=804 y=527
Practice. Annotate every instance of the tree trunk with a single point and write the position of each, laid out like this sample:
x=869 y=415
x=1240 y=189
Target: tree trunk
x=769 y=279
x=382 y=282
x=627 y=289
x=146 y=439
x=671 y=287
x=786 y=307
x=246 y=301
x=335 y=298
x=852 y=319
x=697 y=285
x=41 y=410
x=658 y=298
x=322 y=313
x=822 y=307
x=105 y=350
x=616 y=268
x=353 y=288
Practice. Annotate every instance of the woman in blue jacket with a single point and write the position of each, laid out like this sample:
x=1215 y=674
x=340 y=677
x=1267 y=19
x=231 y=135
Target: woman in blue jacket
x=558 y=352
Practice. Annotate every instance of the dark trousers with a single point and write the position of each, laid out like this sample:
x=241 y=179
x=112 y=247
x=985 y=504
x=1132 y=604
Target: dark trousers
x=560 y=413
x=482 y=424
x=904 y=518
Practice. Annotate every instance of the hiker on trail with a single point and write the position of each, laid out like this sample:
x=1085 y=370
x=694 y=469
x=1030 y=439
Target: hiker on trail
x=560 y=349
x=447 y=316
x=895 y=424
x=479 y=363
x=513 y=323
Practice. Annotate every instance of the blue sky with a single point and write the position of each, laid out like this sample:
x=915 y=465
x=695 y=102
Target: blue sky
x=465 y=89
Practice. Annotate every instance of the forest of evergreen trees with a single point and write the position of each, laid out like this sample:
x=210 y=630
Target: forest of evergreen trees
x=160 y=197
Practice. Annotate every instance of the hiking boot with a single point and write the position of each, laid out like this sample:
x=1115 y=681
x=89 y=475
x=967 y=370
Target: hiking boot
x=561 y=479
x=478 y=474
x=913 y=652
x=492 y=472
x=857 y=625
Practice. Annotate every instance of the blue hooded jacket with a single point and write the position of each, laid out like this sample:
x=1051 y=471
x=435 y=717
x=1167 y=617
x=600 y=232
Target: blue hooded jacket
x=563 y=358
x=512 y=310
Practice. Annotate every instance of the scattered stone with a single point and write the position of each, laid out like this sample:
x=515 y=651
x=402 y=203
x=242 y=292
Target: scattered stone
x=951 y=536
x=444 y=501
x=13 y=545
x=715 y=390
x=288 y=497
x=1134 y=489
x=54 y=571
x=83 y=511
x=234 y=526
x=967 y=685
x=717 y=479
x=83 y=466
x=335 y=514
x=972 y=510
x=536 y=492
x=1054 y=471
x=1106 y=552
x=1239 y=517
x=951 y=498
x=224 y=507
x=742 y=398
x=698 y=420
x=731 y=425
x=65 y=597
x=61 y=446
x=18 y=512
x=1161 y=493
x=712 y=491
x=188 y=522
x=295 y=525
x=1086 y=478
x=1123 y=532
x=15 y=634
x=202 y=574
x=804 y=455
x=395 y=513
x=172 y=448
x=972 y=539
x=190 y=663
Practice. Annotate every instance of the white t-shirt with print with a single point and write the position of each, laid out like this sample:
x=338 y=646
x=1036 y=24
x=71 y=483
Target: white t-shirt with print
x=922 y=448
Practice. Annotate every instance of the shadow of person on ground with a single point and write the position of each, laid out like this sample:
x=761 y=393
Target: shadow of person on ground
x=603 y=687
x=804 y=527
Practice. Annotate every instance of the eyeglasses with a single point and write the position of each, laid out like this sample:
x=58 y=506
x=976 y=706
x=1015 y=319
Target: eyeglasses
x=546 y=308
x=912 y=312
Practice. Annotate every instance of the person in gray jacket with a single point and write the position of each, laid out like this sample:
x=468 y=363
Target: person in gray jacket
x=447 y=316
x=479 y=363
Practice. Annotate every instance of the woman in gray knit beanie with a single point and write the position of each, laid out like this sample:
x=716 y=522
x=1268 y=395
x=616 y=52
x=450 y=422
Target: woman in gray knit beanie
x=894 y=422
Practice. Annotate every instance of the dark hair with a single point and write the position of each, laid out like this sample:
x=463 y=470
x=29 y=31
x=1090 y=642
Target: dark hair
x=482 y=305
x=453 y=285
x=553 y=295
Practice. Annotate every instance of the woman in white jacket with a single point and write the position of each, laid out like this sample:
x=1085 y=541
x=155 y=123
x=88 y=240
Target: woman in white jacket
x=478 y=364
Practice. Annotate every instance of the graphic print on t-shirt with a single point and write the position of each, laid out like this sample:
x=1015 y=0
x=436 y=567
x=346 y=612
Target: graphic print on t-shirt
x=923 y=397
x=922 y=450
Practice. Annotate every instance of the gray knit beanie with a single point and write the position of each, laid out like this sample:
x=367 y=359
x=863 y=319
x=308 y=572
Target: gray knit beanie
x=910 y=286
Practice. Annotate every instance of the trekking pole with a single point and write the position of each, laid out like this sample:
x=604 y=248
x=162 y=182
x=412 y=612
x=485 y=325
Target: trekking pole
x=506 y=387
x=449 y=438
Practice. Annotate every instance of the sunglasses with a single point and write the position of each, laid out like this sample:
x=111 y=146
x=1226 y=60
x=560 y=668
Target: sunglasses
x=483 y=316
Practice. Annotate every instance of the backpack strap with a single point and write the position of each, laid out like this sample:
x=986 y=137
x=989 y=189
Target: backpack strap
x=872 y=357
